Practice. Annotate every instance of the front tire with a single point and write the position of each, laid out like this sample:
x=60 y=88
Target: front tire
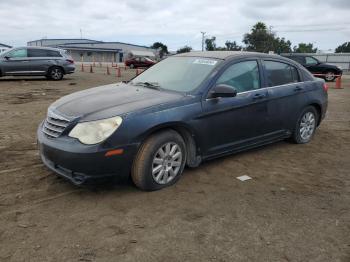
x=132 y=66
x=55 y=73
x=160 y=161
x=306 y=126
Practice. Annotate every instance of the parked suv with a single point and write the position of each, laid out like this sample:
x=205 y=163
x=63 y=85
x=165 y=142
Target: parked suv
x=323 y=70
x=186 y=109
x=36 y=61
x=139 y=62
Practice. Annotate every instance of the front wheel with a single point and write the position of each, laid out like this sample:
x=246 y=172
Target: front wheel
x=55 y=73
x=160 y=161
x=306 y=126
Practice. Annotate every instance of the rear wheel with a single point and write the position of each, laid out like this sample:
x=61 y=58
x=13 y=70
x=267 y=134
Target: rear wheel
x=306 y=126
x=55 y=73
x=160 y=161
x=330 y=76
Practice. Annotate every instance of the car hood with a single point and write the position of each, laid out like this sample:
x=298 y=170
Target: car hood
x=110 y=100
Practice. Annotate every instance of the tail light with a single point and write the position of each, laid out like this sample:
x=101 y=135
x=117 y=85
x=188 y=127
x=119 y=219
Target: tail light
x=70 y=61
x=325 y=87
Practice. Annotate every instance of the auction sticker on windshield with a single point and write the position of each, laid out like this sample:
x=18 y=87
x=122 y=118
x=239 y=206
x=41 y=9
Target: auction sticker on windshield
x=205 y=62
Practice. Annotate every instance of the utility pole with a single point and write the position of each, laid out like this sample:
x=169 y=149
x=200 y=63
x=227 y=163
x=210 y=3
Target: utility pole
x=203 y=33
x=81 y=34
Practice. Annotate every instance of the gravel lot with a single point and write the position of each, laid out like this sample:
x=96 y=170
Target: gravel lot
x=296 y=207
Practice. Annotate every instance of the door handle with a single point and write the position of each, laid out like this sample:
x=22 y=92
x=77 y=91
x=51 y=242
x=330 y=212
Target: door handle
x=298 y=89
x=258 y=96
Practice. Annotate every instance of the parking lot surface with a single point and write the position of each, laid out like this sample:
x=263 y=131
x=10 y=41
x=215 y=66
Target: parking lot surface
x=296 y=207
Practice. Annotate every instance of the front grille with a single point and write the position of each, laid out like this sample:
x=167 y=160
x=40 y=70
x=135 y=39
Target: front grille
x=54 y=125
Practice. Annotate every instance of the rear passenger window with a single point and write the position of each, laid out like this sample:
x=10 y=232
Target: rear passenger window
x=280 y=73
x=43 y=53
x=243 y=76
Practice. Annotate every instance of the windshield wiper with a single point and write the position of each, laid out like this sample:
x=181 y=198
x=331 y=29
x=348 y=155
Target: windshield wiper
x=152 y=85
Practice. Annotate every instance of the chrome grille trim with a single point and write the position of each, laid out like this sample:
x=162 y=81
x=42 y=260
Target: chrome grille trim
x=54 y=124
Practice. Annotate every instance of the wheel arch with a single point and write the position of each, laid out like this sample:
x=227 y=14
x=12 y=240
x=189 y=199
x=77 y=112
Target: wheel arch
x=52 y=66
x=318 y=108
x=187 y=134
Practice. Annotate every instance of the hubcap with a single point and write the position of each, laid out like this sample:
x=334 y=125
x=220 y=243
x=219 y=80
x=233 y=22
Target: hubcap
x=56 y=74
x=330 y=76
x=166 y=163
x=307 y=126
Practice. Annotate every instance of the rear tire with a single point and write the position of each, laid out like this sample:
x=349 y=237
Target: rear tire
x=160 y=161
x=55 y=73
x=306 y=126
x=330 y=76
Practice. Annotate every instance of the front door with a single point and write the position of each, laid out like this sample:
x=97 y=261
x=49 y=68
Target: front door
x=16 y=62
x=235 y=122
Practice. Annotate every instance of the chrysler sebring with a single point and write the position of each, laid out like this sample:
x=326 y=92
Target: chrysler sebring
x=184 y=110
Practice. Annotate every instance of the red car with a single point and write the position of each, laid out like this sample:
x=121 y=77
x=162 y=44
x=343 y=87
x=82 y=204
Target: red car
x=139 y=62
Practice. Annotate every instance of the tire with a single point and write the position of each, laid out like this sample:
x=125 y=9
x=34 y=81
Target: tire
x=55 y=73
x=330 y=76
x=132 y=66
x=306 y=126
x=153 y=170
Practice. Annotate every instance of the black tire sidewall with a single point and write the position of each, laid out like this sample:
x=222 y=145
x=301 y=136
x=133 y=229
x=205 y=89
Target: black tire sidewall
x=296 y=135
x=158 y=141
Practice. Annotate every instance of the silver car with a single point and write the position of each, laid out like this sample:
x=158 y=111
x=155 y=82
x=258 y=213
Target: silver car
x=53 y=63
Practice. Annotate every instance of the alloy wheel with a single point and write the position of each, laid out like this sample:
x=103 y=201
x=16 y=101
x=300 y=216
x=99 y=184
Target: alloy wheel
x=166 y=163
x=56 y=73
x=307 y=126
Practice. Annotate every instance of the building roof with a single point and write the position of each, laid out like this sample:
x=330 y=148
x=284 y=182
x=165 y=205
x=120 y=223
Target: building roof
x=68 y=47
x=87 y=41
x=3 y=45
x=221 y=54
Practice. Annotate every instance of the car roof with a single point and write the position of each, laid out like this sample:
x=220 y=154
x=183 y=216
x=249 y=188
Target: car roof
x=224 y=55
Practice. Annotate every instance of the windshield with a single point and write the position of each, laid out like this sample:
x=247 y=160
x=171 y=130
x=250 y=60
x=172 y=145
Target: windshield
x=181 y=74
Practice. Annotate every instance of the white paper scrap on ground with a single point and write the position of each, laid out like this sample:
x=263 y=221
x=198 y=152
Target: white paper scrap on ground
x=244 y=178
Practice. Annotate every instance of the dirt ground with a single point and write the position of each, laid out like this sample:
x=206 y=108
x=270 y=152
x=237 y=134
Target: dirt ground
x=296 y=207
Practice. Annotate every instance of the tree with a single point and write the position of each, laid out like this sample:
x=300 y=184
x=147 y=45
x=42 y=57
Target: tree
x=163 y=49
x=305 y=48
x=280 y=45
x=210 y=44
x=260 y=39
x=232 y=46
x=344 y=48
x=184 y=49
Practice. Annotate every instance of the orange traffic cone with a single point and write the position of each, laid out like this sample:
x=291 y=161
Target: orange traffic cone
x=91 y=71
x=118 y=72
x=82 y=67
x=338 y=83
x=108 y=73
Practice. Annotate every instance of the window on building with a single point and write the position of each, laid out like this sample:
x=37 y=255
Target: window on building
x=280 y=73
x=243 y=76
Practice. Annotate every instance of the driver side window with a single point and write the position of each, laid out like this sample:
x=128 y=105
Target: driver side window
x=18 y=53
x=310 y=60
x=243 y=76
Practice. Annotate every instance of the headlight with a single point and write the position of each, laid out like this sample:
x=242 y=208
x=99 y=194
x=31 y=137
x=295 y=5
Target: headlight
x=94 y=132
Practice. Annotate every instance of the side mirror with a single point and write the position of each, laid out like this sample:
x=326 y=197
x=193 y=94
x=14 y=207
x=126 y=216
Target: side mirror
x=222 y=90
x=7 y=57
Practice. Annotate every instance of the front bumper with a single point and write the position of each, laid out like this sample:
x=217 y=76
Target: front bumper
x=84 y=164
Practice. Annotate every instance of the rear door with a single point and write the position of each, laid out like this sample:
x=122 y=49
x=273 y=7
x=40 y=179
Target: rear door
x=234 y=122
x=41 y=59
x=286 y=92
x=17 y=62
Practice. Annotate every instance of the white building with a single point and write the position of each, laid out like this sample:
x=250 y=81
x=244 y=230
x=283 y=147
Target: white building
x=88 y=50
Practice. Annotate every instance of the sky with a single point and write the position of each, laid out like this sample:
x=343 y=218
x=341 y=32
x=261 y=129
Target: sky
x=326 y=24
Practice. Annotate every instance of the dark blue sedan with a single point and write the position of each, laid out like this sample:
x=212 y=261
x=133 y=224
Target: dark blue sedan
x=184 y=110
